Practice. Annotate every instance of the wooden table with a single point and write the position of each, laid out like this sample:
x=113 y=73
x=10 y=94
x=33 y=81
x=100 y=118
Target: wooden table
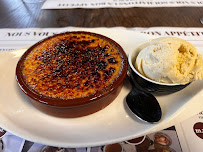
x=16 y=14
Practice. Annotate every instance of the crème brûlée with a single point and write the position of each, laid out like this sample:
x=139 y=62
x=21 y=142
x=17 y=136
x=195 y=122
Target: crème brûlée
x=72 y=66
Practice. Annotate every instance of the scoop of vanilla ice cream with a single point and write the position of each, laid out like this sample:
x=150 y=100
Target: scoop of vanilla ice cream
x=170 y=60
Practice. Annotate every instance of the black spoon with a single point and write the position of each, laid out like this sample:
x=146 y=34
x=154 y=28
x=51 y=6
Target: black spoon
x=142 y=103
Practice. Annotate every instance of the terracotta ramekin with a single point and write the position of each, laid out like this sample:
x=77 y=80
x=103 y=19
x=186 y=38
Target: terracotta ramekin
x=76 y=107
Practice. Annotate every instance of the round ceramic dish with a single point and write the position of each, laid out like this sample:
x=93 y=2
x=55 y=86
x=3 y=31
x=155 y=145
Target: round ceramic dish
x=74 y=107
x=146 y=83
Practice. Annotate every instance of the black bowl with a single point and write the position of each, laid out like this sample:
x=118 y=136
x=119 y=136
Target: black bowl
x=146 y=83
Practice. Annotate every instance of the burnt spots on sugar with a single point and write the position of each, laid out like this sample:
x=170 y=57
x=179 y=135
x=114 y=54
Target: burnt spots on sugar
x=108 y=73
x=75 y=60
x=46 y=57
x=95 y=76
x=112 y=60
x=101 y=65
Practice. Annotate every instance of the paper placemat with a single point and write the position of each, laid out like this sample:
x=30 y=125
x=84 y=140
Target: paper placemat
x=69 y=4
x=11 y=39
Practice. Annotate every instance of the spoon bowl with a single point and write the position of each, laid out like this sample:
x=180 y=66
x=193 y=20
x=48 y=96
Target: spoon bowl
x=142 y=103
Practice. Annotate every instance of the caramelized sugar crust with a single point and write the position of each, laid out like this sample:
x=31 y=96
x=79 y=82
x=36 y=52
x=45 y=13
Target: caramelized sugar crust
x=71 y=66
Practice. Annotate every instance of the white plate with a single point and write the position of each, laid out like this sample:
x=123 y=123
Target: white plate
x=113 y=124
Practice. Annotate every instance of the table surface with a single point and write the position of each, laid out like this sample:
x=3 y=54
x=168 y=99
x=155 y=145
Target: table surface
x=16 y=14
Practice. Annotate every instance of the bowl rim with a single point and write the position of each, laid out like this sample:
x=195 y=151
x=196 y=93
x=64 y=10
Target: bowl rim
x=141 y=45
x=74 y=102
x=131 y=143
